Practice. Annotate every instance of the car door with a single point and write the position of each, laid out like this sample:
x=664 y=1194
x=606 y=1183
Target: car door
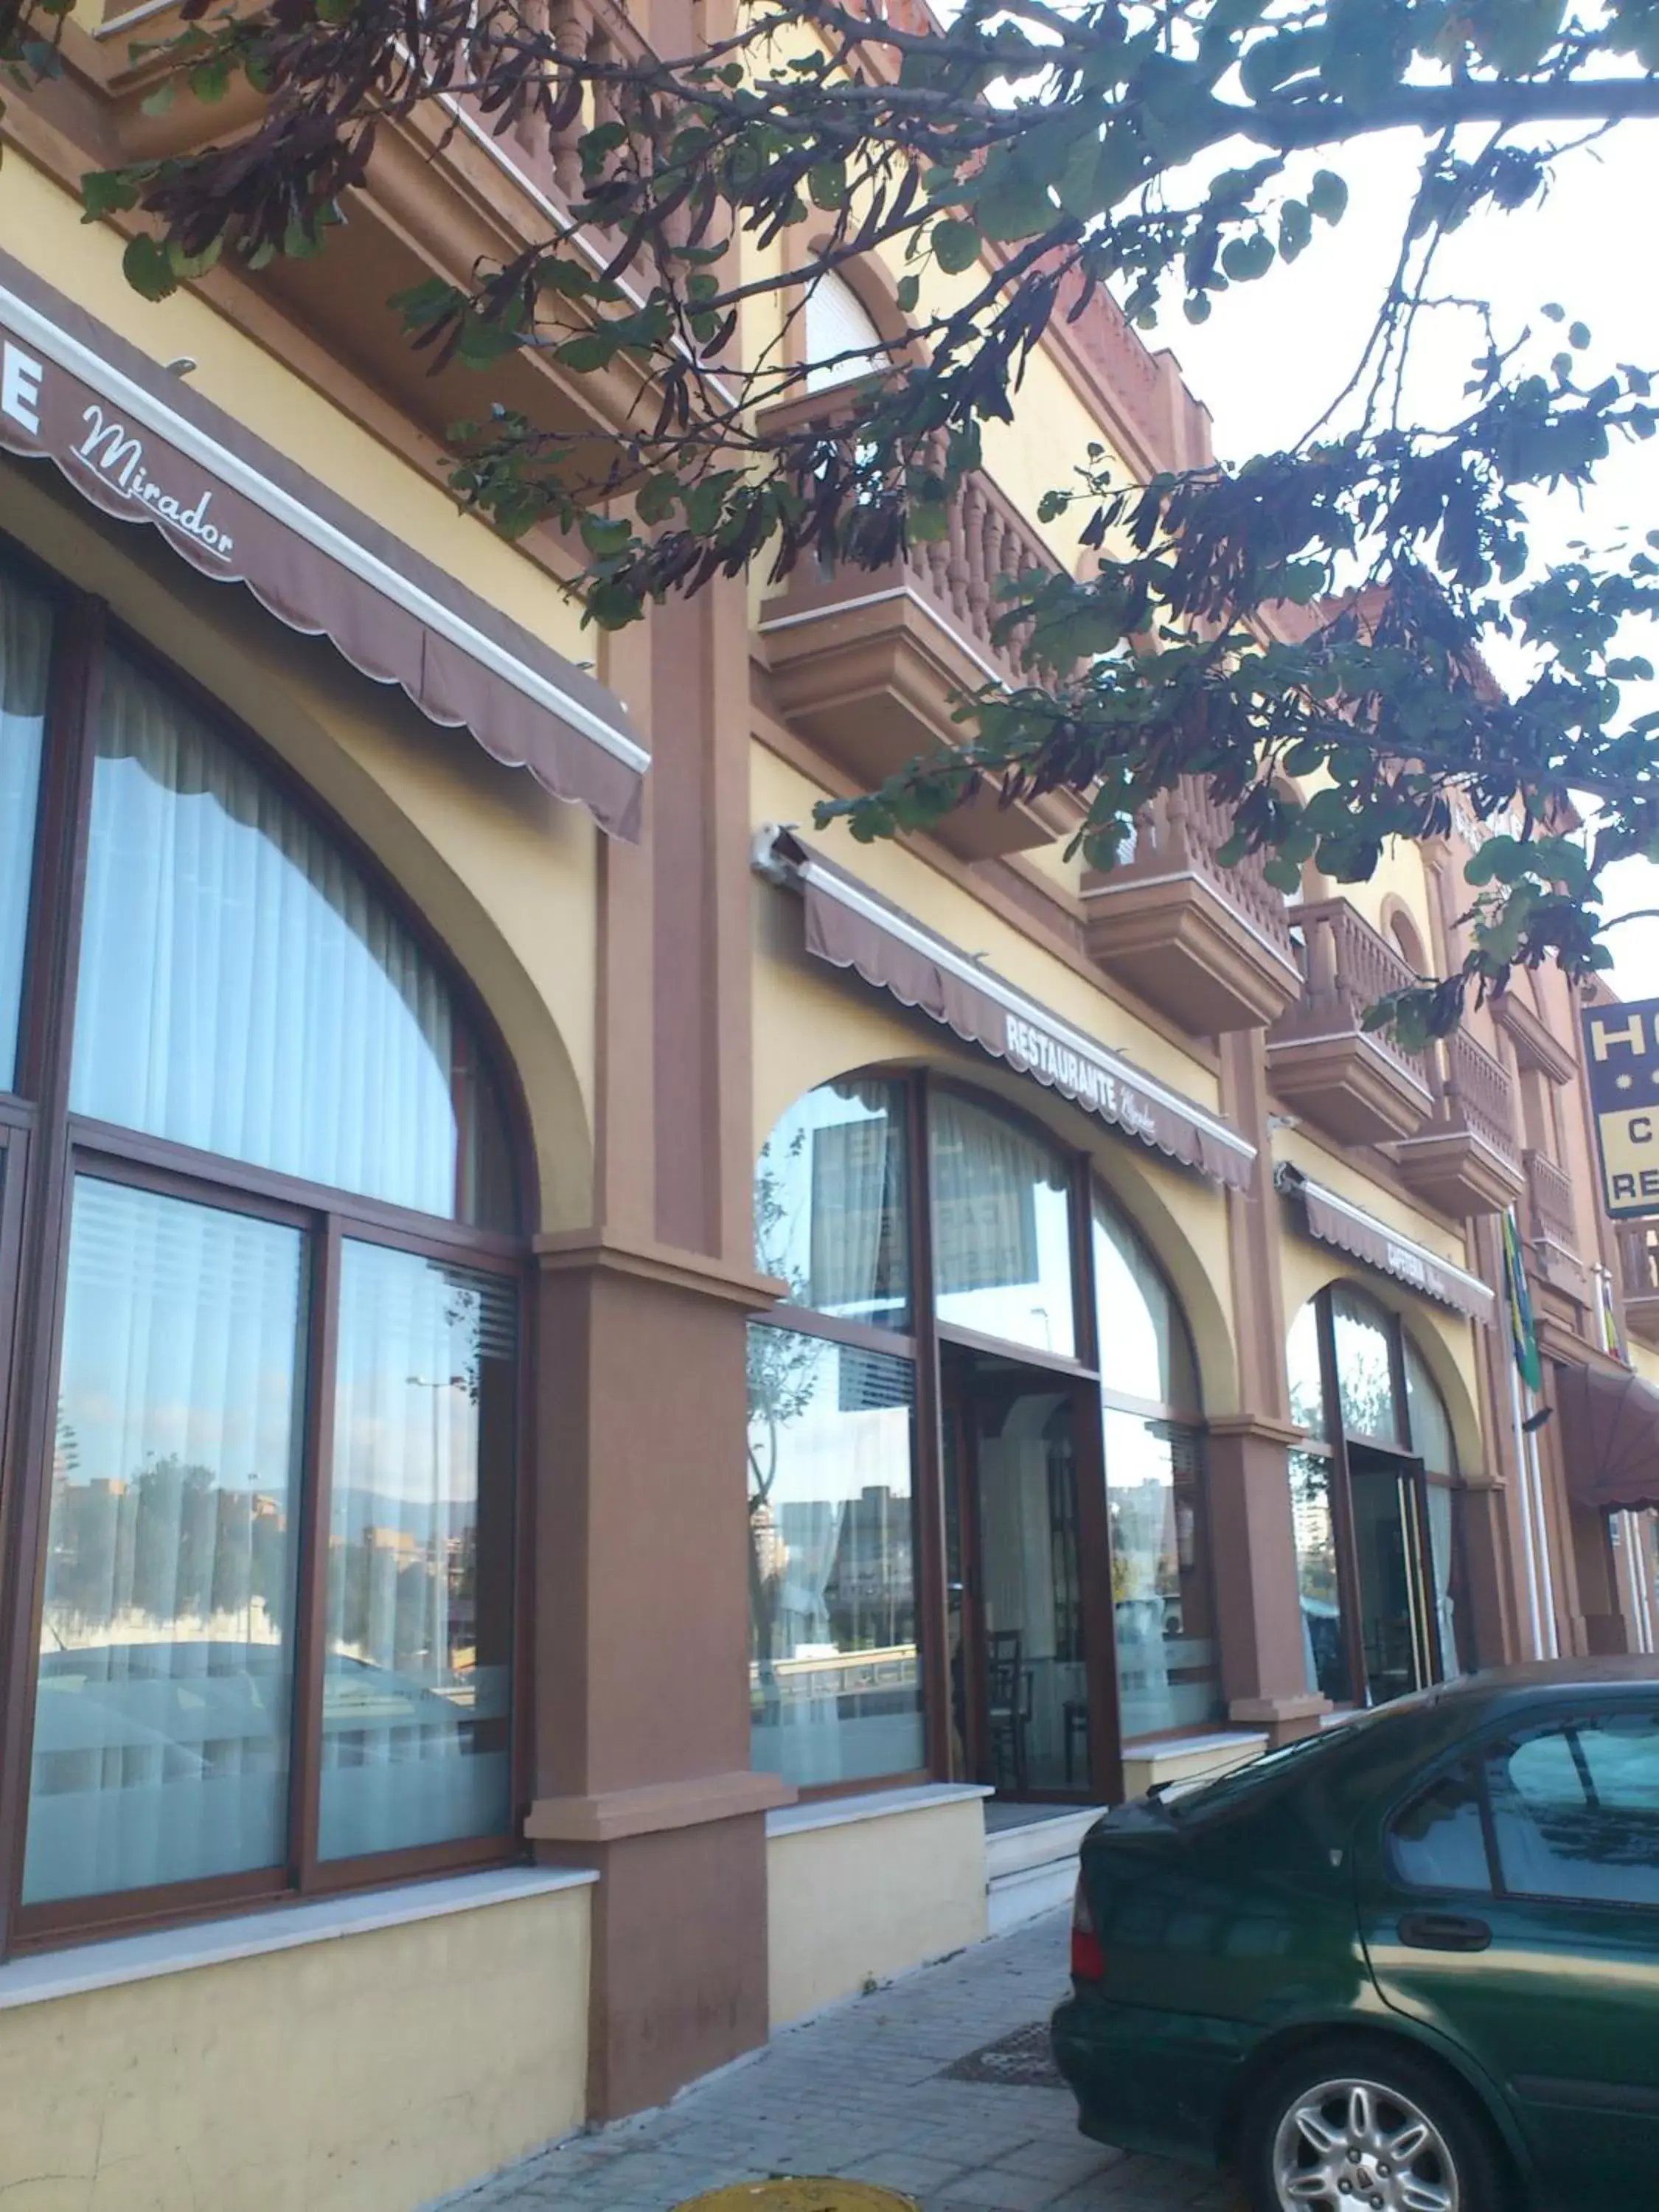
x=1512 y=1903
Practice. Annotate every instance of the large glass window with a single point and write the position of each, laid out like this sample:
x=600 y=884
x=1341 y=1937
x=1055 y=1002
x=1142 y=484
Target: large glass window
x=1002 y=1228
x=419 y=1556
x=1161 y=1597
x=836 y=1691
x=25 y=655
x=831 y=1192
x=277 y=1486
x=1313 y=1532
x=163 y=1706
x=245 y=990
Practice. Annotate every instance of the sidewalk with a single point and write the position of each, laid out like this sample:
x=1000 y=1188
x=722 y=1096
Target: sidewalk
x=897 y=2088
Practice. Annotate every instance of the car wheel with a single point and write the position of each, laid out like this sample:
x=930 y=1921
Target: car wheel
x=1355 y=2124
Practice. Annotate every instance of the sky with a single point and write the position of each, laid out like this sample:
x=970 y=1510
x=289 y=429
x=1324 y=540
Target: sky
x=1276 y=352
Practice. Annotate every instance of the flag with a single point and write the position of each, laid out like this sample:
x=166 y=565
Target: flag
x=1607 y=1309
x=1523 y=1335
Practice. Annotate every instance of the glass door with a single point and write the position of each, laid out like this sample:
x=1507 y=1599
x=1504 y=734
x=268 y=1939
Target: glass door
x=1397 y=1631
x=1015 y=1599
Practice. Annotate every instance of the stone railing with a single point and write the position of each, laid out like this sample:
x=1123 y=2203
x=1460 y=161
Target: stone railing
x=1347 y=966
x=1180 y=834
x=961 y=576
x=1476 y=1092
x=592 y=32
x=1550 y=1212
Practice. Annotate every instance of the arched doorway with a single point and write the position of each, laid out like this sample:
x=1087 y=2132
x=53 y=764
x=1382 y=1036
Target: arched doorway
x=975 y=1471
x=1373 y=1499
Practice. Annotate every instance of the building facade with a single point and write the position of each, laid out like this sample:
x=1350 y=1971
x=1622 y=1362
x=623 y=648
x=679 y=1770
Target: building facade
x=602 y=1393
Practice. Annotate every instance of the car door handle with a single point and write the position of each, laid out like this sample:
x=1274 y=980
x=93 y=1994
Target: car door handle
x=1444 y=1932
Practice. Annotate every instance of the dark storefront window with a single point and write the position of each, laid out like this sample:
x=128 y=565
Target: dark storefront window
x=1373 y=1504
x=271 y=1452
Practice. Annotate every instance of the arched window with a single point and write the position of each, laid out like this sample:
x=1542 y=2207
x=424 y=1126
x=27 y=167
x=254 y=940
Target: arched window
x=1161 y=1604
x=945 y=1596
x=1371 y=1502
x=839 y=335
x=274 y=1497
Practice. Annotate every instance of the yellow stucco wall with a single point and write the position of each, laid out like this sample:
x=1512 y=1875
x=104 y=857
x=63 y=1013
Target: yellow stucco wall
x=505 y=873
x=865 y=1899
x=371 y=2073
x=41 y=225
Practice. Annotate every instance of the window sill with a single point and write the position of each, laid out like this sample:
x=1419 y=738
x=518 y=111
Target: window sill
x=879 y=1805
x=41 y=1977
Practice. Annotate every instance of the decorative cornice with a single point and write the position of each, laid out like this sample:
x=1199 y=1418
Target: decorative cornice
x=569 y=1250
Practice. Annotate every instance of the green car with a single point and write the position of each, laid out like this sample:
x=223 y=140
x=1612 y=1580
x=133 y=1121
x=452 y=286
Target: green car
x=1412 y=1963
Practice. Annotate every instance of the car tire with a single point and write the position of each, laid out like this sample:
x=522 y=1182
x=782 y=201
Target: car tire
x=1337 y=2109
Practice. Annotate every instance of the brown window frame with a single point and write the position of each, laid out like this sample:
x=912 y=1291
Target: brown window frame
x=43 y=1146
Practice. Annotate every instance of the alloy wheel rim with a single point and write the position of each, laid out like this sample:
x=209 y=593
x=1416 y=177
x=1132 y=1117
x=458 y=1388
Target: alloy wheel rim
x=1353 y=2143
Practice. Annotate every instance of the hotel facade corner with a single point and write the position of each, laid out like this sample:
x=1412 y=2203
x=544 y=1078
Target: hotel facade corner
x=603 y=1395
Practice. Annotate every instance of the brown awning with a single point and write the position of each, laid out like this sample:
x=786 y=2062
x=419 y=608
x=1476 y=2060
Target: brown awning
x=850 y=925
x=142 y=447
x=1336 y=1221
x=1609 y=1437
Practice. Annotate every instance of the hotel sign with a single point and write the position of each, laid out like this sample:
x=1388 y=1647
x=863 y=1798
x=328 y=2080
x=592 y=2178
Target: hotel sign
x=1621 y=1051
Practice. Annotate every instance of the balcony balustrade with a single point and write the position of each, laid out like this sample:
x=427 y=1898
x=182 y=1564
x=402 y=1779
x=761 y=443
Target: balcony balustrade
x=1552 y=1227
x=1465 y=1159
x=1357 y=1085
x=1639 y=1268
x=871 y=663
x=1209 y=944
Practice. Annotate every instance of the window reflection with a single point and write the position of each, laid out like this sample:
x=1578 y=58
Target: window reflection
x=415 y=1692
x=161 y=1746
x=246 y=992
x=1306 y=1380
x=1364 y=1368
x=1002 y=1228
x=1313 y=1534
x=1145 y=1351
x=836 y=1691
x=1166 y=1652
x=831 y=1203
x=25 y=650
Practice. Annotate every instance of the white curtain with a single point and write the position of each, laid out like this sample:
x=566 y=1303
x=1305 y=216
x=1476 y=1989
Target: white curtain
x=242 y=989
x=161 y=1743
x=836 y=324
x=853 y=1182
x=1440 y=1551
x=25 y=652
x=415 y=1703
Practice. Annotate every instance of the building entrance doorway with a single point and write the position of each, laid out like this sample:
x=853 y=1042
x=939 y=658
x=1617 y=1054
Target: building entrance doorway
x=1026 y=1633
x=1398 y=1645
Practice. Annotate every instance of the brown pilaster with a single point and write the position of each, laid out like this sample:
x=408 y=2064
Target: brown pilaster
x=641 y=1765
x=1258 y=1605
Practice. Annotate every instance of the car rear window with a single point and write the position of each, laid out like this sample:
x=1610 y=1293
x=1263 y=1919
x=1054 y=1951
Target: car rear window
x=1273 y=1767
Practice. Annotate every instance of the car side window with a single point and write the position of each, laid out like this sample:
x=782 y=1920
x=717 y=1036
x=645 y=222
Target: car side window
x=1436 y=1841
x=1575 y=1810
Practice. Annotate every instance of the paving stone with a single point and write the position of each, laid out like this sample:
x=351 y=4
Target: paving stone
x=862 y=2092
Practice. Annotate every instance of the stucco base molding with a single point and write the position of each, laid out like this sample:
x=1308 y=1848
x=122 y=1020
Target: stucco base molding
x=1259 y=1428
x=568 y=1250
x=1275 y=1712
x=612 y=1815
